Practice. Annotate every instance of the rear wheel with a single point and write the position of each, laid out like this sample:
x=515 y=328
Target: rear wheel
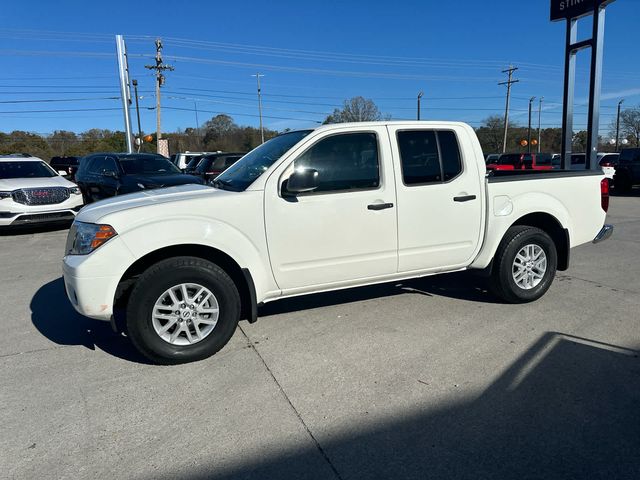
x=524 y=265
x=181 y=310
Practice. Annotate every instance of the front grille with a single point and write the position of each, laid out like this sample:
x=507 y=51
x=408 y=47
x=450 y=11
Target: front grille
x=41 y=196
x=43 y=217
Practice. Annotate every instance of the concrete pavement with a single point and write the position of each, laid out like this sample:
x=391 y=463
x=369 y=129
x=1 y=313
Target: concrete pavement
x=427 y=378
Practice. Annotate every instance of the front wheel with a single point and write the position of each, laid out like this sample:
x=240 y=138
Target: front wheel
x=524 y=265
x=181 y=310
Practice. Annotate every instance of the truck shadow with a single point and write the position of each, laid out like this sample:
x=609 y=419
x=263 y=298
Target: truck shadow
x=459 y=286
x=54 y=317
x=567 y=408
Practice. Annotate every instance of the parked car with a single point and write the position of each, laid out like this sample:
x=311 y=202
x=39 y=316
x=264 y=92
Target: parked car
x=68 y=164
x=608 y=163
x=213 y=165
x=104 y=175
x=316 y=210
x=181 y=160
x=31 y=192
x=522 y=161
x=627 y=170
x=193 y=163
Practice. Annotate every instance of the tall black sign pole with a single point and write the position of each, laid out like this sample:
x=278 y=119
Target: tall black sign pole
x=595 y=87
x=571 y=11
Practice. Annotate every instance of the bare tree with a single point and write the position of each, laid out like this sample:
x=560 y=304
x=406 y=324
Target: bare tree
x=630 y=125
x=356 y=109
x=491 y=133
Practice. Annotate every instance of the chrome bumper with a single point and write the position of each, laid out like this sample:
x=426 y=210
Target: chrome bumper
x=605 y=232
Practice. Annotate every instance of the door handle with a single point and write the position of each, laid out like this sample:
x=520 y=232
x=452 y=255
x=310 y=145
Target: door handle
x=379 y=206
x=464 y=198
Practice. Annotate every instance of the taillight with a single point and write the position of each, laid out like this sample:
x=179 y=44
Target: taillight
x=606 y=164
x=604 y=194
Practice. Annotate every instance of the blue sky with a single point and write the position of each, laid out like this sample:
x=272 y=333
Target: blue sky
x=61 y=56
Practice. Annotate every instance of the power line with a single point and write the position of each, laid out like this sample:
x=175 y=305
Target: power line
x=48 y=100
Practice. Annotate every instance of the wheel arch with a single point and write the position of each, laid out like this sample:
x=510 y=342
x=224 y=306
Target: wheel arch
x=241 y=276
x=552 y=227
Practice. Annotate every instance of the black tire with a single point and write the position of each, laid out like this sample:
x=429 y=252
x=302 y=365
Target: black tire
x=164 y=275
x=503 y=284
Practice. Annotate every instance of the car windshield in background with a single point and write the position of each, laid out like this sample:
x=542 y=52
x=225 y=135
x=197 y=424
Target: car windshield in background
x=246 y=170
x=26 y=170
x=147 y=164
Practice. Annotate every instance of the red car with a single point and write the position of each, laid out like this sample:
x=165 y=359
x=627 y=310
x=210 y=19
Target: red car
x=522 y=161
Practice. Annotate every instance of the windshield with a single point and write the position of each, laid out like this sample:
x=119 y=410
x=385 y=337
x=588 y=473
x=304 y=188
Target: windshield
x=26 y=170
x=147 y=164
x=246 y=170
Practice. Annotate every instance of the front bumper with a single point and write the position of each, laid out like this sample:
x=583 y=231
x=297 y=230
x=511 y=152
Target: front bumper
x=91 y=280
x=14 y=214
x=605 y=232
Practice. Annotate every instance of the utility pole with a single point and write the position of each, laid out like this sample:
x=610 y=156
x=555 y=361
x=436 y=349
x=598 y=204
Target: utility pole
x=125 y=92
x=540 y=123
x=159 y=67
x=419 y=97
x=529 y=128
x=618 y=124
x=508 y=83
x=258 y=75
x=195 y=106
x=135 y=91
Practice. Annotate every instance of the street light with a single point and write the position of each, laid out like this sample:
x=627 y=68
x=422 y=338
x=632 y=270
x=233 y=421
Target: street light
x=419 y=97
x=258 y=75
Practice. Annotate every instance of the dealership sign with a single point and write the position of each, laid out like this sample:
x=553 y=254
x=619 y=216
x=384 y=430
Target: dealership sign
x=565 y=9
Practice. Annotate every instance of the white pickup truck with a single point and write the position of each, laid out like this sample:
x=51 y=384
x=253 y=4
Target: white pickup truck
x=315 y=210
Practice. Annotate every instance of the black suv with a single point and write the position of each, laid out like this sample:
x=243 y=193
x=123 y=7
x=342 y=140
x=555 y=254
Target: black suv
x=67 y=164
x=628 y=170
x=212 y=165
x=104 y=175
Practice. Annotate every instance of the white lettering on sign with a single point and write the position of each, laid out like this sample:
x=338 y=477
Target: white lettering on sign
x=569 y=3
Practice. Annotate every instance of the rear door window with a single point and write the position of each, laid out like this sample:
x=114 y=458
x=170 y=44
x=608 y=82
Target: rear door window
x=428 y=156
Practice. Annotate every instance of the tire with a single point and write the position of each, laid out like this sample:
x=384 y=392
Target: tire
x=151 y=290
x=506 y=268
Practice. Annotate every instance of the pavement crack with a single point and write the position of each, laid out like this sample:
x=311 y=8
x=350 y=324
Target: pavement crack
x=7 y=355
x=295 y=411
x=593 y=282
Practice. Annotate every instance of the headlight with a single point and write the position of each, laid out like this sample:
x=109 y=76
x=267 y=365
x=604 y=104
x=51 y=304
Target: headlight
x=84 y=238
x=75 y=190
x=5 y=195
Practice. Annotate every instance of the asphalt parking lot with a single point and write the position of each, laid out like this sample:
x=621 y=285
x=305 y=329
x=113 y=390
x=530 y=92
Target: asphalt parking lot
x=426 y=379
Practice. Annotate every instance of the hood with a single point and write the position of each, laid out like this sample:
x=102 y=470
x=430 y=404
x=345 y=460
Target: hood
x=93 y=212
x=158 y=181
x=9 y=184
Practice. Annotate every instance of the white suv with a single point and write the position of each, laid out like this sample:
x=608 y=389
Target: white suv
x=32 y=192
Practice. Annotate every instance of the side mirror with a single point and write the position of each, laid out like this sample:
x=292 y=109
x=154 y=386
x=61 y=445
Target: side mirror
x=301 y=180
x=62 y=173
x=110 y=174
